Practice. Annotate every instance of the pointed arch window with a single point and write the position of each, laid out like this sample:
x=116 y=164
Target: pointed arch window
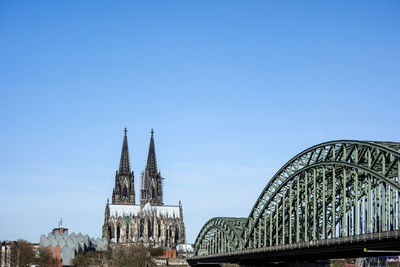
x=125 y=191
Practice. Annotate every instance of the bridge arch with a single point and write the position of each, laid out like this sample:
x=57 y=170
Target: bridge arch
x=334 y=189
x=219 y=235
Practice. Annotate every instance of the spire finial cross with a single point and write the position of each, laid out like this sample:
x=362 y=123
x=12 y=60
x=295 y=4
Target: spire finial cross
x=125 y=130
x=152 y=131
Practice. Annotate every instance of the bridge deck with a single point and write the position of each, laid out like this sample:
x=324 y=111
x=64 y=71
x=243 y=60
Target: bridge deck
x=341 y=247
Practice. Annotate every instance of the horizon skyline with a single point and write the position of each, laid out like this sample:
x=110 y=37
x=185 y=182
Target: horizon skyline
x=233 y=90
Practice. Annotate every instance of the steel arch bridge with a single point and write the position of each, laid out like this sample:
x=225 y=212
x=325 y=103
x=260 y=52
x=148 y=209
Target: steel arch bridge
x=220 y=235
x=333 y=190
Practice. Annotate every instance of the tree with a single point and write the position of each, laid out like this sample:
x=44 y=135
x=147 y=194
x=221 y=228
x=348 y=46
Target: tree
x=26 y=253
x=81 y=260
x=96 y=258
x=138 y=256
x=132 y=255
x=118 y=257
x=45 y=258
x=22 y=253
x=156 y=252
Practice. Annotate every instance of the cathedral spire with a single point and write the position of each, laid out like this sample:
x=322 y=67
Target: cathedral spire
x=151 y=189
x=151 y=165
x=124 y=164
x=124 y=188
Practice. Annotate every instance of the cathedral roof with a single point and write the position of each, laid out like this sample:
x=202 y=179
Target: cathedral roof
x=134 y=210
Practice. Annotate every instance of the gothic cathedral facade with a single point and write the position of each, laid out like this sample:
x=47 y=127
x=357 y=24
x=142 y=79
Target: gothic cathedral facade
x=150 y=222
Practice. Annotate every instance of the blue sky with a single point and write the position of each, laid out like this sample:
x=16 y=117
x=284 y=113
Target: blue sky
x=233 y=90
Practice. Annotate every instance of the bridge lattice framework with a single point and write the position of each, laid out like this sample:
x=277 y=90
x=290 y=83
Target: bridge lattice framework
x=332 y=190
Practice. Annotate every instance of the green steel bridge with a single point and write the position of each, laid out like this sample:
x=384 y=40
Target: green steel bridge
x=335 y=199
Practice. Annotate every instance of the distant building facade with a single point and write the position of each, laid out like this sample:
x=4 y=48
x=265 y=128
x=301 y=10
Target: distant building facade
x=6 y=250
x=63 y=246
x=150 y=222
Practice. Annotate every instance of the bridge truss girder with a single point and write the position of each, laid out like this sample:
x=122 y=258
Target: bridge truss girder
x=334 y=189
x=219 y=235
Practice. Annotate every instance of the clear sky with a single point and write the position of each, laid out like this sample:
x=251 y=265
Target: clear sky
x=233 y=90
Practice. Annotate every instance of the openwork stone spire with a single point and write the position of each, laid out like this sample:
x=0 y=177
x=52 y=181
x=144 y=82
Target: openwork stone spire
x=151 y=165
x=124 y=164
x=124 y=189
x=151 y=190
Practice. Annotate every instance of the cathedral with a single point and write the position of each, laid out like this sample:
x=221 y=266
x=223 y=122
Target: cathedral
x=150 y=222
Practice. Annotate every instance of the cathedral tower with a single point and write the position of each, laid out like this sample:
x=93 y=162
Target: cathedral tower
x=150 y=223
x=124 y=188
x=151 y=190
